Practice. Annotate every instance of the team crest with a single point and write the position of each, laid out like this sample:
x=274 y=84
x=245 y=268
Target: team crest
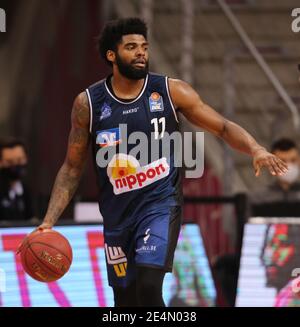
x=156 y=102
x=105 y=111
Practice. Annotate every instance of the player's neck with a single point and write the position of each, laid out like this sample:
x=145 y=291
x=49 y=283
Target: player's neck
x=125 y=88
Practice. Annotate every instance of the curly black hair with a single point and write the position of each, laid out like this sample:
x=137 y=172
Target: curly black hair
x=9 y=143
x=113 y=31
x=283 y=144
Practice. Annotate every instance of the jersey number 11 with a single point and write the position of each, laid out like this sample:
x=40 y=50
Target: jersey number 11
x=161 y=121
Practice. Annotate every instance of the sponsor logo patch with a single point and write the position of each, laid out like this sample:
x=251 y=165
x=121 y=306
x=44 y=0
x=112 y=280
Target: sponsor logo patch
x=147 y=235
x=130 y=111
x=126 y=174
x=117 y=258
x=109 y=137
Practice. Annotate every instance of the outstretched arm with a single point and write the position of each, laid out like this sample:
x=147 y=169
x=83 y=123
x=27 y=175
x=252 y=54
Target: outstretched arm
x=69 y=175
x=187 y=100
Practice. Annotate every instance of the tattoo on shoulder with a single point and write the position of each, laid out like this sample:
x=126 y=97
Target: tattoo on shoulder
x=81 y=112
x=80 y=120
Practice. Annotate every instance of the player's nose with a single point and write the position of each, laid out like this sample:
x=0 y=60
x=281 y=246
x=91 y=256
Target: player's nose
x=140 y=52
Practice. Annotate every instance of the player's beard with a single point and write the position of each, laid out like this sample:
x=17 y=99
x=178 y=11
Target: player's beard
x=129 y=71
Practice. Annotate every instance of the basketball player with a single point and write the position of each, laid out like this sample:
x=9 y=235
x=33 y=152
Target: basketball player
x=141 y=205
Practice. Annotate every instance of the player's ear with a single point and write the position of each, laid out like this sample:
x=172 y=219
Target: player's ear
x=111 y=56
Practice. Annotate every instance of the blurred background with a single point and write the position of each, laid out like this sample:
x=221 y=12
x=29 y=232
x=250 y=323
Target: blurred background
x=240 y=55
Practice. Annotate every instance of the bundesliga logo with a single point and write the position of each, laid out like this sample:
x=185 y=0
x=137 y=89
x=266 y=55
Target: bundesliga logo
x=126 y=174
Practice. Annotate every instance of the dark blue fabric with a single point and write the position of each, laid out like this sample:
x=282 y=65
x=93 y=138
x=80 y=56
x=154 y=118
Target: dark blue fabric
x=122 y=210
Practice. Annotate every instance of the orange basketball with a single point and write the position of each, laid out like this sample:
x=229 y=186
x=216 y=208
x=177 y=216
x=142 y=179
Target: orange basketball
x=46 y=255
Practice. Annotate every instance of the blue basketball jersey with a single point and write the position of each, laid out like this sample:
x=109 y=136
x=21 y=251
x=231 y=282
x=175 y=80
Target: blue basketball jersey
x=132 y=182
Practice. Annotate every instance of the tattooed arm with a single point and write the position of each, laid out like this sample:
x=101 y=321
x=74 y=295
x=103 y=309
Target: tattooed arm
x=69 y=175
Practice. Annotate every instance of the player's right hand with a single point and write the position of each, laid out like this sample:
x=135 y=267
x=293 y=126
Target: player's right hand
x=43 y=226
x=263 y=158
x=40 y=228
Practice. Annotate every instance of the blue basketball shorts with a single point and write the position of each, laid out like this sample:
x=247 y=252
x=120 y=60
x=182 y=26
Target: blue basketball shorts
x=151 y=242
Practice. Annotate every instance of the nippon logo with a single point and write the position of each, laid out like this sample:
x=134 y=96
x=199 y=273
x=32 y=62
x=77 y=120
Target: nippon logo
x=2 y=281
x=296 y=280
x=127 y=175
x=296 y=22
x=2 y=20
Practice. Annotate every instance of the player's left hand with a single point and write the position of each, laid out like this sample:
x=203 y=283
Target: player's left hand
x=263 y=158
